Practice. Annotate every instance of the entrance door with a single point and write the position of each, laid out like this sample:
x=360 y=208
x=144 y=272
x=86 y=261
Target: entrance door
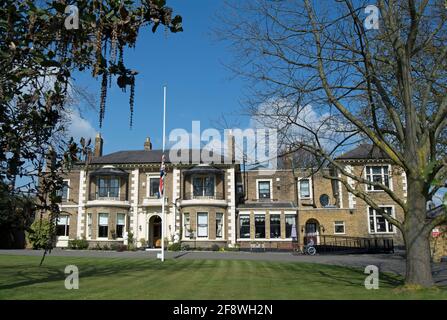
x=312 y=233
x=155 y=232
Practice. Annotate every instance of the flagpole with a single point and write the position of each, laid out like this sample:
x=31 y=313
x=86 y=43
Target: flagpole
x=163 y=220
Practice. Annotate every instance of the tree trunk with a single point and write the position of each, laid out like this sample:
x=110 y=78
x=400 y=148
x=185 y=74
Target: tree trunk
x=418 y=259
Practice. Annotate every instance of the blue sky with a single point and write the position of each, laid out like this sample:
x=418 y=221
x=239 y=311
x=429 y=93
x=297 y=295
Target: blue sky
x=200 y=87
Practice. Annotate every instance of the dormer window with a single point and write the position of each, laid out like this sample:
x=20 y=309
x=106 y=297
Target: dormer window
x=203 y=186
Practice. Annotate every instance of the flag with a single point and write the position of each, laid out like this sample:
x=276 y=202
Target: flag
x=162 y=177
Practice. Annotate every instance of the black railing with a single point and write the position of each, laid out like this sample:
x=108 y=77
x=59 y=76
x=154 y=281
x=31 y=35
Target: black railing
x=334 y=244
x=192 y=196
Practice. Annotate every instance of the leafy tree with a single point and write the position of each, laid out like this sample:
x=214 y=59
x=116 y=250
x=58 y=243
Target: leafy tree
x=39 y=233
x=38 y=56
x=326 y=79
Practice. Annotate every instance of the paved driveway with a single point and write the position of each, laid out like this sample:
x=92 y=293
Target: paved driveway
x=386 y=262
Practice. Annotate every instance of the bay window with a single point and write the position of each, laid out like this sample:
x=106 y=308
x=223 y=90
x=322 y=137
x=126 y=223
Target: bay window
x=108 y=187
x=103 y=225
x=219 y=225
x=186 y=225
x=120 y=223
x=203 y=186
x=202 y=224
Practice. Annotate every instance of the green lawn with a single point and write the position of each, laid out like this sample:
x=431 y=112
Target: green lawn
x=110 y=278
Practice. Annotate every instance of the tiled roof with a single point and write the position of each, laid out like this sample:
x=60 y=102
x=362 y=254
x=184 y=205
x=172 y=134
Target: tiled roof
x=364 y=151
x=134 y=157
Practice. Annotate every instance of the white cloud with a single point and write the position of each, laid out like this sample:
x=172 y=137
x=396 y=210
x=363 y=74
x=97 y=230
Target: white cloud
x=78 y=127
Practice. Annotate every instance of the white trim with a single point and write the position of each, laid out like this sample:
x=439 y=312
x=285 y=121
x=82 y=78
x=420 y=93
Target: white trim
x=116 y=225
x=344 y=227
x=257 y=187
x=207 y=225
x=68 y=191
x=223 y=224
x=97 y=220
x=390 y=180
x=150 y=176
x=204 y=175
x=310 y=188
x=393 y=214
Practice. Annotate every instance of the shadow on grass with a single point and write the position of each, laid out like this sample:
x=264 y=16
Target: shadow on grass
x=28 y=274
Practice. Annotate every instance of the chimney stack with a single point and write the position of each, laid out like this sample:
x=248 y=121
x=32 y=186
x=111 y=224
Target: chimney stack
x=98 y=146
x=230 y=141
x=148 y=144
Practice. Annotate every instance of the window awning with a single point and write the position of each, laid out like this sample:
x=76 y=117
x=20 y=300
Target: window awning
x=110 y=172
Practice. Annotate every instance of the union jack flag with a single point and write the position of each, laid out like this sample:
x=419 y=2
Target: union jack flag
x=161 y=186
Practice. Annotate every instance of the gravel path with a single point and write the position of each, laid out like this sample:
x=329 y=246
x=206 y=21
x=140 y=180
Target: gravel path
x=386 y=262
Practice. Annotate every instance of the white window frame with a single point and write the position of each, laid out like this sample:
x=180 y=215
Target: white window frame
x=310 y=188
x=68 y=191
x=98 y=237
x=148 y=184
x=110 y=178
x=259 y=213
x=202 y=176
x=89 y=226
x=393 y=214
x=257 y=188
x=207 y=224
x=67 y=224
x=390 y=180
x=223 y=225
x=338 y=223
x=245 y=214
x=288 y=213
x=124 y=225
x=270 y=224
x=185 y=230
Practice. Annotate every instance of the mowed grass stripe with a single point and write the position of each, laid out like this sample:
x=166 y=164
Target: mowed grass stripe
x=121 y=278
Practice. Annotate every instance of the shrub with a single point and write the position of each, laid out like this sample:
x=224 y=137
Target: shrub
x=143 y=242
x=175 y=247
x=184 y=247
x=39 y=233
x=215 y=247
x=106 y=247
x=78 y=244
x=121 y=247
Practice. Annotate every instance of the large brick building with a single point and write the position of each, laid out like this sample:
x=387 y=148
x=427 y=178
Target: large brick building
x=221 y=204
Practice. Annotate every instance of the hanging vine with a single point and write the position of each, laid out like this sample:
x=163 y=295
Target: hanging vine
x=132 y=99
